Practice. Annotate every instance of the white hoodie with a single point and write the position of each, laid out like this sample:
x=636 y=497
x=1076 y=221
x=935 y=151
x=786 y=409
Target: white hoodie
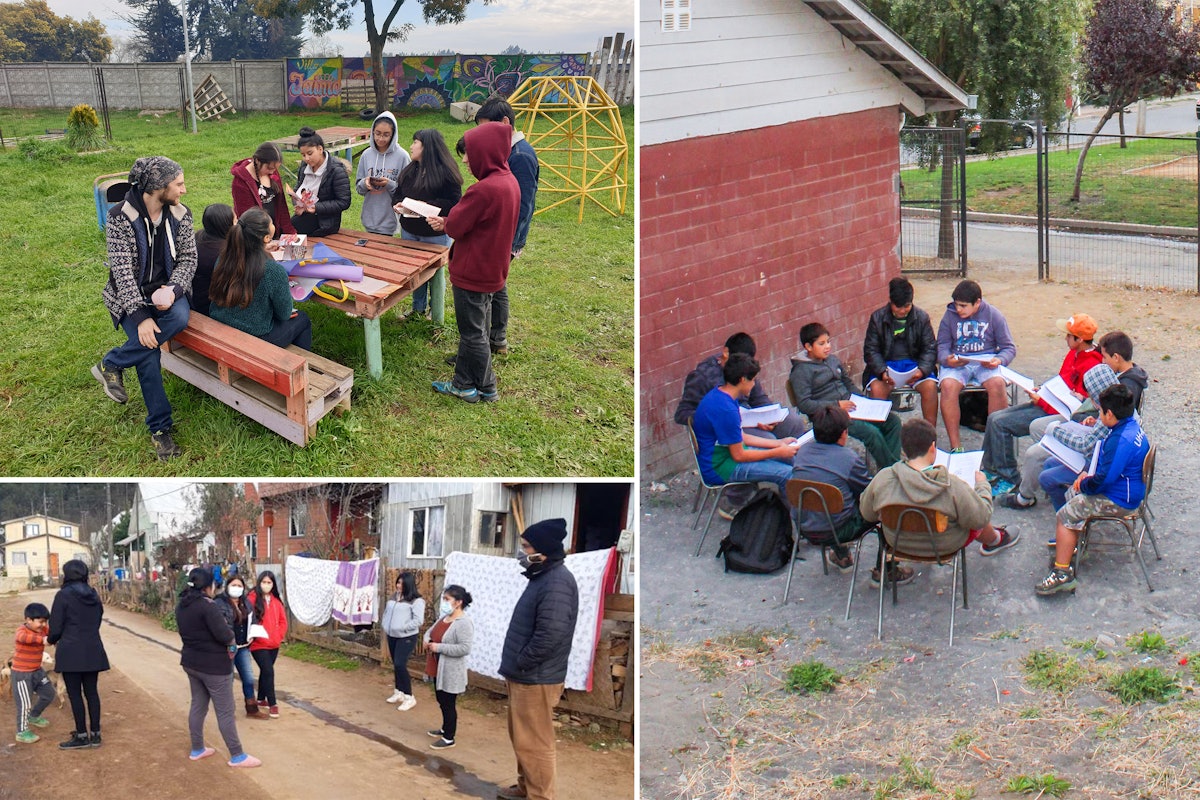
x=377 y=214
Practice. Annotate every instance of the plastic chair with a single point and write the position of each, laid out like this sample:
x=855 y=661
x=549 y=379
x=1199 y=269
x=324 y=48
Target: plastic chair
x=108 y=190
x=818 y=498
x=1129 y=521
x=908 y=525
x=706 y=490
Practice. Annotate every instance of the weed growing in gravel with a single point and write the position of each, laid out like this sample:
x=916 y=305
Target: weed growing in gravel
x=1058 y=672
x=1038 y=784
x=1138 y=684
x=1032 y=712
x=964 y=792
x=1148 y=642
x=842 y=781
x=962 y=740
x=911 y=777
x=1087 y=646
x=810 y=677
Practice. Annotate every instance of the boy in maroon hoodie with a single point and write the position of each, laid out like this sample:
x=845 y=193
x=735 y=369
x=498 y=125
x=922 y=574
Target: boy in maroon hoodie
x=482 y=227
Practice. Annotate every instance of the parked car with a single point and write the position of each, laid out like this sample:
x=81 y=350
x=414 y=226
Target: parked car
x=1021 y=132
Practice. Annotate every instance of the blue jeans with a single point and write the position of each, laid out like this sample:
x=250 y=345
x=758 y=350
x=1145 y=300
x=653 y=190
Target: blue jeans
x=1055 y=479
x=146 y=360
x=297 y=331
x=421 y=295
x=778 y=472
x=243 y=663
x=999 y=439
x=473 y=368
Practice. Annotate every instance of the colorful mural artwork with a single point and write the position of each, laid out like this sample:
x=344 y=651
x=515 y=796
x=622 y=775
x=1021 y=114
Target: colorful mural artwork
x=314 y=82
x=428 y=82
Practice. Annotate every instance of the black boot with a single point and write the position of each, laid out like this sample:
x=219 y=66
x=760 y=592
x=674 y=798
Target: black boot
x=76 y=741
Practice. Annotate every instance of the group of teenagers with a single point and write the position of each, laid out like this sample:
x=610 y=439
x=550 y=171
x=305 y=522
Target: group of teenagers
x=972 y=347
x=161 y=269
x=223 y=630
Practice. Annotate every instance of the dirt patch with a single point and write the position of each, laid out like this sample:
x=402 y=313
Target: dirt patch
x=1182 y=168
x=912 y=716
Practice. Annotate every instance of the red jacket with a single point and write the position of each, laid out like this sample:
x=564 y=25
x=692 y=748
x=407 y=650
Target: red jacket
x=245 y=196
x=274 y=620
x=30 y=646
x=1074 y=367
x=483 y=223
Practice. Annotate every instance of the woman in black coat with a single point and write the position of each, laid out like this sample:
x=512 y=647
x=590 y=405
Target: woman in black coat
x=79 y=657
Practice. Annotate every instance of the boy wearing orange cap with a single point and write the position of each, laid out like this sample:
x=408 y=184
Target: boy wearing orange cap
x=1003 y=427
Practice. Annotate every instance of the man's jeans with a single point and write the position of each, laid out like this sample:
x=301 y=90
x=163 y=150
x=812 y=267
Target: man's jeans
x=999 y=439
x=473 y=368
x=1055 y=480
x=778 y=472
x=146 y=361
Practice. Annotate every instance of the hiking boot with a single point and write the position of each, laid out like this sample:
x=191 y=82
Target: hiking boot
x=1059 y=580
x=841 y=564
x=514 y=792
x=113 y=382
x=897 y=574
x=39 y=722
x=442 y=744
x=1007 y=539
x=498 y=349
x=251 y=708
x=1015 y=500
x=27 y=737
x=164 y=446
x=446 y=387
x=76 y=741
x=435 y=734
x=94 y=740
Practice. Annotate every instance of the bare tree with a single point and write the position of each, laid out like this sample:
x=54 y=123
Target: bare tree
x=222 y=510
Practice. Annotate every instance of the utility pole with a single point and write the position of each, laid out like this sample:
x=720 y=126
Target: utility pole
x=187 y=64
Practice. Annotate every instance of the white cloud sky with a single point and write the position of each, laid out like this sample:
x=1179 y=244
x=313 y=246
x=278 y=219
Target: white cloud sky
x=538 y=26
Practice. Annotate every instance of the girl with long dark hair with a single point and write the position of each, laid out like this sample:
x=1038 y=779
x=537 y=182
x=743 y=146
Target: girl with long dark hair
x=267 y=607
x=217 y=219
x=249 y=289
x=432 y=177
x=256 y=184
x=236 y=610
x=322 y=190
x=402 y=619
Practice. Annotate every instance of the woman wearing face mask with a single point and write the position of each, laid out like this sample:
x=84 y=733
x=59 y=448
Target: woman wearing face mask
x=448 y=643
x=232 y=603
x=402 y=619
x=267 y=608
x=208 y=647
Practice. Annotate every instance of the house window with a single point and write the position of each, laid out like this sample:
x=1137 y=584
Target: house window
x=428 y=526
x=32 y=529
x=252 y=546
x=64 y=531
x=298 y=521
x=20 y=559
x=492 y=529
x=676 y=15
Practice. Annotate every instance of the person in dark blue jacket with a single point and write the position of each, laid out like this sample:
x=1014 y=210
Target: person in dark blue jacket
x=1115 y=489
x=79 y=652
x=534 y=659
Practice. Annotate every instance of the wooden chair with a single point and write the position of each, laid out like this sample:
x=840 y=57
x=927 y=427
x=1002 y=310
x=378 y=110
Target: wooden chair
x=908 y=525
x=818 y=498
x=706 y=490
x=1129 y=521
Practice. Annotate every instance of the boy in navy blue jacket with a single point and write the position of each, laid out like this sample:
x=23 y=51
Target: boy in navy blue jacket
x=1116 y=488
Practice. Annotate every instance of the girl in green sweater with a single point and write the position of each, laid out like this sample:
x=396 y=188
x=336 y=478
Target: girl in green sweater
x=249 y=289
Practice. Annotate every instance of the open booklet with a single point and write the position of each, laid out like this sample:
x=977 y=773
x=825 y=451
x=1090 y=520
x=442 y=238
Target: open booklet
x=1071 y=458
x=420 y=208
x=902 y=378
x=1058 y=395
x=1012 y=376
x=763 y=415
x=869 y=410
x=964 y=465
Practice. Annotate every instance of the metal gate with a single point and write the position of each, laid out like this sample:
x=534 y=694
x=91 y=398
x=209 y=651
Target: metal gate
x=933 y=201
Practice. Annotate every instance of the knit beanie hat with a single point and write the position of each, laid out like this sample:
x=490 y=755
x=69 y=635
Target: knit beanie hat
x=546 y=537
x=152 y=173
x=75 y=570
x=1097 y=379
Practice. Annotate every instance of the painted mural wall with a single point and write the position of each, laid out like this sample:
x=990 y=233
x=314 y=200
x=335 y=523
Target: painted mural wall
x=425 y=82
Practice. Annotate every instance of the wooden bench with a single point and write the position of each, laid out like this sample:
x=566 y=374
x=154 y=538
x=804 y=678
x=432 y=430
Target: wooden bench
x=287 y=390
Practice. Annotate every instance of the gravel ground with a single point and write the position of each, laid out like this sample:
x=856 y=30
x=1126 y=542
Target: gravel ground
x=913 y=716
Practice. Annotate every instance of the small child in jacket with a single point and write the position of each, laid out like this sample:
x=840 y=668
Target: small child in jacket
x=28 y=677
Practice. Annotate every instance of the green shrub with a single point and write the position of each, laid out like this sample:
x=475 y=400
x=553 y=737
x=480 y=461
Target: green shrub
x=1038 y=784
x=1148 y=642
x=42 y=151
x=809 y=677
x=1138 y=684
x=83 y=129
x=169 y=622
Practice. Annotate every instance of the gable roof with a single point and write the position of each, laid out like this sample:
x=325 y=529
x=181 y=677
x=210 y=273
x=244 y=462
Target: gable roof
x=869 y=34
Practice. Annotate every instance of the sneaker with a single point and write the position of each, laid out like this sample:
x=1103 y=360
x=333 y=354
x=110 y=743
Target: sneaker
x=414 y=314
x=263 y=705
x=897 y=575
x=205 y=752
x=1001 y=487
x=499 y=349
x=1016 y=500
x=94 y=740
x=1007 y=539
x=435 y=734
x=954 y=450
x=39 y=722
x=514 y=792
x=451 y=359
x=1059 y=580
x=397 y=696
x=245 y=761
x=76 y=741
x=466 y=395
x=408 y=703
x=28 y=737
x=489 y=397
x=274 y=712
x=843 y=564
x=113 y=382
x=442 y=744
x=164 y=446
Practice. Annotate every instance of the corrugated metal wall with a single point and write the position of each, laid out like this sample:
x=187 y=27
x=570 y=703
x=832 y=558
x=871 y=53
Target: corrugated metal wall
x=550 y=500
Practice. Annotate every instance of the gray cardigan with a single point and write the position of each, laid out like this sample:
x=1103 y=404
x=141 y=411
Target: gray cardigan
x=401 y=619
x=452 y=655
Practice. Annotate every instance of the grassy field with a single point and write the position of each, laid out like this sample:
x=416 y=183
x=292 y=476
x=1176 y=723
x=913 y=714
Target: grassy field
x=566 y=387
x=1151 y=182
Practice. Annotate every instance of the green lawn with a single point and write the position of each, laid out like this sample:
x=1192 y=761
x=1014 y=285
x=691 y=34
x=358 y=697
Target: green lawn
x=1151 y=182
x=566 y=388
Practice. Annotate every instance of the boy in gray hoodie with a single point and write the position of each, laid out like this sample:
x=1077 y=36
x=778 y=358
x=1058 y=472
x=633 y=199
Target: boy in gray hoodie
x=379 y=169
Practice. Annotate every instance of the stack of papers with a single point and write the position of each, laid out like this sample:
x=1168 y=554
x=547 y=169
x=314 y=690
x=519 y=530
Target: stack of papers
x=962 y=465
x=763 y=415
x=1071 y=458
x=902 y=378
x=870 y=410
x=420 y=208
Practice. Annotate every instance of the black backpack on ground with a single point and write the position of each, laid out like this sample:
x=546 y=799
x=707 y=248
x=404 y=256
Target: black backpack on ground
x=760 y=536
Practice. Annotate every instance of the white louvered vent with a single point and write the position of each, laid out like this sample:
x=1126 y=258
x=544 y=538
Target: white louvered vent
x=676 y=15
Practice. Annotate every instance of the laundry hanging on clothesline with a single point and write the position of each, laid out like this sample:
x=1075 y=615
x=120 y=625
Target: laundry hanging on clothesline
x=355 y=592
x=317 y=589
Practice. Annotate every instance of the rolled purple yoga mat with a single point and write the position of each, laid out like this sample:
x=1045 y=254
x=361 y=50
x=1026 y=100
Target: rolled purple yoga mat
x=340 y=272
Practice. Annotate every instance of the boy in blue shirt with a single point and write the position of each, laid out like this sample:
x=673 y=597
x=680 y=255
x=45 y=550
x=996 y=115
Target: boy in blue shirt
x=725 y=453
x=1116 y=488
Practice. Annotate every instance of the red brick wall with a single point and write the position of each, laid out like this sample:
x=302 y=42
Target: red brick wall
x=760 y=231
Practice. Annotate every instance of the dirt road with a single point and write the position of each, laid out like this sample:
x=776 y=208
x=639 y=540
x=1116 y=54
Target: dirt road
x=336 y=737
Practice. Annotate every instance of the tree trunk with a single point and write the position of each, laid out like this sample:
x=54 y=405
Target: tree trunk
x=1087 y=144
x=1121 y=126
x=946 y=237
x=378 y=78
